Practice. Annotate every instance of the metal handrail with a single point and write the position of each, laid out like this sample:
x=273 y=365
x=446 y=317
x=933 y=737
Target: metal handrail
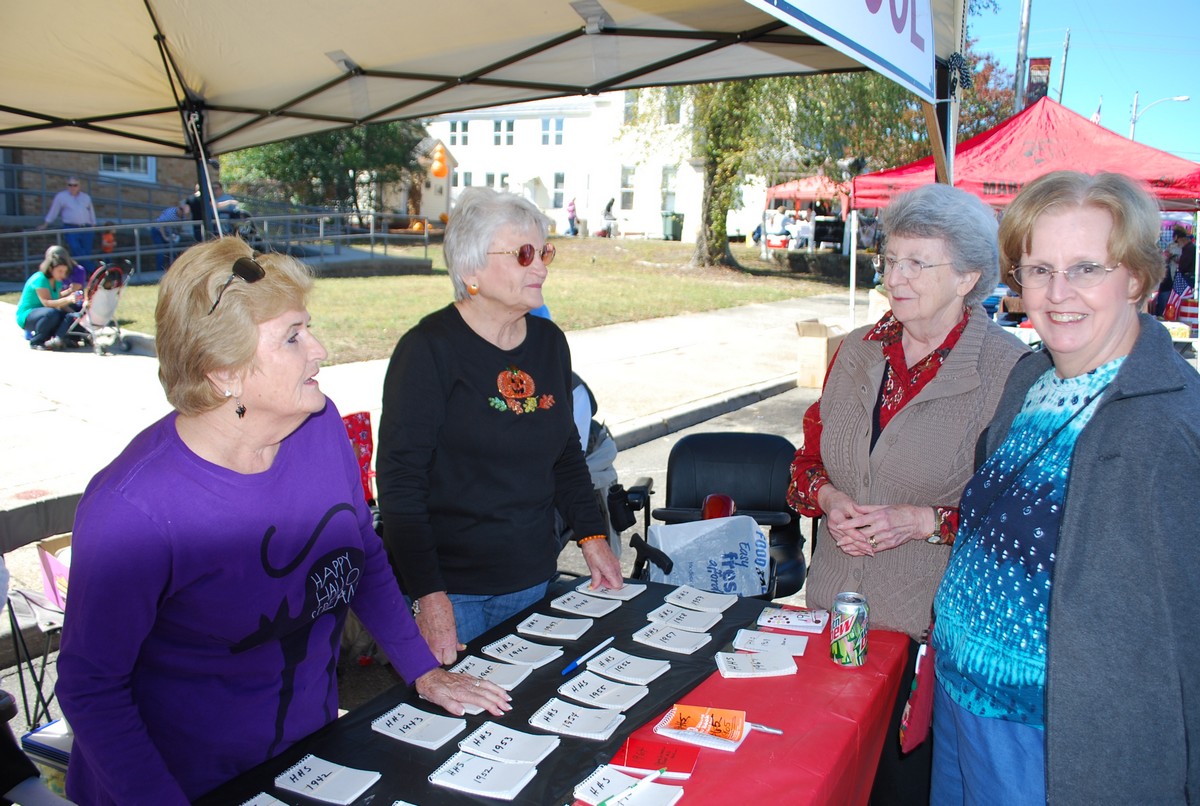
x=313 y=237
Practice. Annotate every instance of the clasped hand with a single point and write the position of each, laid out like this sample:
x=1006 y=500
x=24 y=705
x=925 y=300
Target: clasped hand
x=865 y=529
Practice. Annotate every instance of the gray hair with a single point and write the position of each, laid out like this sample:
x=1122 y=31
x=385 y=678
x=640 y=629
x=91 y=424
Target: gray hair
x=480 y=212
x=961 y=221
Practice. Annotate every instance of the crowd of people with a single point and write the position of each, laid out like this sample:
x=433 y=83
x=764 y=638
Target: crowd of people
x=997 y=505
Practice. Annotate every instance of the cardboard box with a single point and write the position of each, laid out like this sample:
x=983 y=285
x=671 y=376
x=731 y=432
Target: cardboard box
x=818 y=343
x=54 y=571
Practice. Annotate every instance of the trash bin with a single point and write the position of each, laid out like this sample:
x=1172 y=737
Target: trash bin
x=672 y=226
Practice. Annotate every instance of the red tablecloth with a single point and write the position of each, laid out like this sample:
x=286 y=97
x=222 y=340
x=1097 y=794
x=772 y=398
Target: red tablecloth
x=833 y=721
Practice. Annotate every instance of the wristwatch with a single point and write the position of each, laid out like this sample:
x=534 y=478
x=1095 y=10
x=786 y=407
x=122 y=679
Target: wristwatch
x=938 y=521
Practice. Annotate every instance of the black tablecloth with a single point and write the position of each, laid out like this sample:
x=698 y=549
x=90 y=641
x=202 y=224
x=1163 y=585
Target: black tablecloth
x=350 y=740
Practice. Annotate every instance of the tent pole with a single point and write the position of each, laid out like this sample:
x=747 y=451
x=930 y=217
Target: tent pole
x=935 y=142
x=853 y=264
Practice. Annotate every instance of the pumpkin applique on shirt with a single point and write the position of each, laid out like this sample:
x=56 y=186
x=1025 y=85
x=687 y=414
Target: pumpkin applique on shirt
x=518 y=393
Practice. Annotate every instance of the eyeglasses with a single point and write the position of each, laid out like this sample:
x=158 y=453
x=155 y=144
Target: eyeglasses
x=245 y=267
x=1081 y=275
x=72 y=184
x=908 y=267
x=526 y=251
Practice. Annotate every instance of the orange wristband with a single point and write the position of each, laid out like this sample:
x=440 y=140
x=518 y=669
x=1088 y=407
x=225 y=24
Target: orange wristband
x=583 y=540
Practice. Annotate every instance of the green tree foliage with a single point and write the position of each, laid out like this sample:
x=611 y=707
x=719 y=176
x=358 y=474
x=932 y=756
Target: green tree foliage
x=329 y=168
x=725 y=126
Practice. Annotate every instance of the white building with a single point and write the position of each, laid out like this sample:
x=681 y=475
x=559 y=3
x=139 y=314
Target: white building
x=578 y=148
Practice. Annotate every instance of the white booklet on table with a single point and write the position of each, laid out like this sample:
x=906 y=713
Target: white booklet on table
x=323 y=780
x=684 y=618
x=556 y=627
x=671 y=639
x=608 y=783
x=779 y=618
x=630 y=590
x=483 y=776
x=505 y=675
x=591 y=689
x=696 y=599
x=569 y=719
x=758 y=641
x=755 y=664
x=626 y=668
x=414 y=726
x=502 y=743
x=514 y=649
x=580 y=604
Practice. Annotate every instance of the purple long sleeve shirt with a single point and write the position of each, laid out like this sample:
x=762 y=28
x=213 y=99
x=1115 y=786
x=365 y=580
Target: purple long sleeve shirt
x=205 y=609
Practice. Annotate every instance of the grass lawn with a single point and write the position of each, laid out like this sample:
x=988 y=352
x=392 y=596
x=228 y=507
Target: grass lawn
x=593 y=282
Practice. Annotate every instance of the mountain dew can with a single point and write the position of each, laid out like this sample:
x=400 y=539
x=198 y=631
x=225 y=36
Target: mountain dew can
x=848 y=629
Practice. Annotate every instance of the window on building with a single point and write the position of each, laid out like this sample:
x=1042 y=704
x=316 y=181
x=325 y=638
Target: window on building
x=502 y=132
x=627 y=187
x=454 y=179
x=489 y=180
x=560 y=181
x=630 y=107
x=504 y=181
x=672 y=103
x=669 y=173
x=458 y=132
x=552 y=131
x=466 y=179
x=129 y=166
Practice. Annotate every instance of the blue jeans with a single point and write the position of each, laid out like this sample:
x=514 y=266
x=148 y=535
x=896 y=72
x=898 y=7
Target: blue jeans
x=80 y=243
x=47 y=322
x=474 y=615
x=979 y=760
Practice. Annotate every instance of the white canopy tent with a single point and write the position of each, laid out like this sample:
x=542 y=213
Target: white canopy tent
x=125 y=76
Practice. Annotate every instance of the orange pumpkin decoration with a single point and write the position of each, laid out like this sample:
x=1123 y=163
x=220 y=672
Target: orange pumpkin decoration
x=513 y=383
x=439 y=169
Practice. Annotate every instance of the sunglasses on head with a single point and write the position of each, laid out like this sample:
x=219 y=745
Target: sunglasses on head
x=245 y=267
x=526 y=251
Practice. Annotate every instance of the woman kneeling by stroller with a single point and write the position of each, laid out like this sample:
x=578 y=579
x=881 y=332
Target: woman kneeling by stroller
x=47 y=309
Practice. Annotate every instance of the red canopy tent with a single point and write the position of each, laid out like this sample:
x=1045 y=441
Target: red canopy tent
x=1045 y=137
x=808 y=189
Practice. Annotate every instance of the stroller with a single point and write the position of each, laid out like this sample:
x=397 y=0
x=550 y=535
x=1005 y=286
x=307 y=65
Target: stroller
x=96 y=324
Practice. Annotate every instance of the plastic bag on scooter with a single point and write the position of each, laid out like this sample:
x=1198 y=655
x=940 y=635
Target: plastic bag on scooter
x=723 y=555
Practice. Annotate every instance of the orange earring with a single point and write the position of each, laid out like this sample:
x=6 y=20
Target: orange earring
x=472 y=289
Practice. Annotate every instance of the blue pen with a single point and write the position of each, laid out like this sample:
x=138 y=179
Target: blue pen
x=575 y=664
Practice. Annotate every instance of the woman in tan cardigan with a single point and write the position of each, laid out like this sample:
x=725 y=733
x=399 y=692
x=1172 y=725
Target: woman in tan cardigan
x=891 y=443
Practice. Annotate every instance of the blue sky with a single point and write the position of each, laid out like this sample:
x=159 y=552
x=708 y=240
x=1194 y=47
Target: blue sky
x=1118 y=47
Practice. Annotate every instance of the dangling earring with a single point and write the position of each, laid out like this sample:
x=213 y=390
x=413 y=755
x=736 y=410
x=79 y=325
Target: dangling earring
x=239 y=410
x=472 y=289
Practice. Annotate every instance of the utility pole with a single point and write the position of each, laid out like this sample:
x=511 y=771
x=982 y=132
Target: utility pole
x=1022 y=60
x=1062 y=75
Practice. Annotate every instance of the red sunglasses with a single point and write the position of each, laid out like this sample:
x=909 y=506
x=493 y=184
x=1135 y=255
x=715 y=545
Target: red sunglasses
x=526 y=251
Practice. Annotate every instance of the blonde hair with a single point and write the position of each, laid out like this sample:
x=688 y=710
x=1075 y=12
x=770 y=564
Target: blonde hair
x=1133 y=242
x=191 y=343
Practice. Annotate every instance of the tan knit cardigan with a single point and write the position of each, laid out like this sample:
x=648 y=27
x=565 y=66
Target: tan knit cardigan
x=924 y=456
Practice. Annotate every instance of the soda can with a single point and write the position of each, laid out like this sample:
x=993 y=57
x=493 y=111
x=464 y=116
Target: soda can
x=848 y=629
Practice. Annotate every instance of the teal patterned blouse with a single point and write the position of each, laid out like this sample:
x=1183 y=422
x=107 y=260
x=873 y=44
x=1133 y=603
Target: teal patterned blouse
x=994 y=599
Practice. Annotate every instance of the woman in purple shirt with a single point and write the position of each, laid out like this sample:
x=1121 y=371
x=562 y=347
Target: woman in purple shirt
x=214 y=560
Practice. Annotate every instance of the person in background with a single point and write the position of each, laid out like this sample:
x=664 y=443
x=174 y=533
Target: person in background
x=215 y=560
x=77 y=276
x=1171 y=255
x=889 y=445
x=1187 y=260
x=572 y=230
x=108 y=239
x=165 y=238
x=1078 y=533
x=477 y=442
x=75 y=208
x=46 y=309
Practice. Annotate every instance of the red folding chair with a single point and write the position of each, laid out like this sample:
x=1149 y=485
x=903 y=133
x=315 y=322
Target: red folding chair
x=358 y=428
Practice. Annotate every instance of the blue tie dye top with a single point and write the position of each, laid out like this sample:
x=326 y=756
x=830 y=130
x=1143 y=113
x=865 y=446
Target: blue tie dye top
x=994 y=599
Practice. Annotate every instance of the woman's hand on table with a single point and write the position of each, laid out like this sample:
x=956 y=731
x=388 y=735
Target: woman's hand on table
x=604 y=565
x=435 y=620
x=885 y=526
x=456 y=691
